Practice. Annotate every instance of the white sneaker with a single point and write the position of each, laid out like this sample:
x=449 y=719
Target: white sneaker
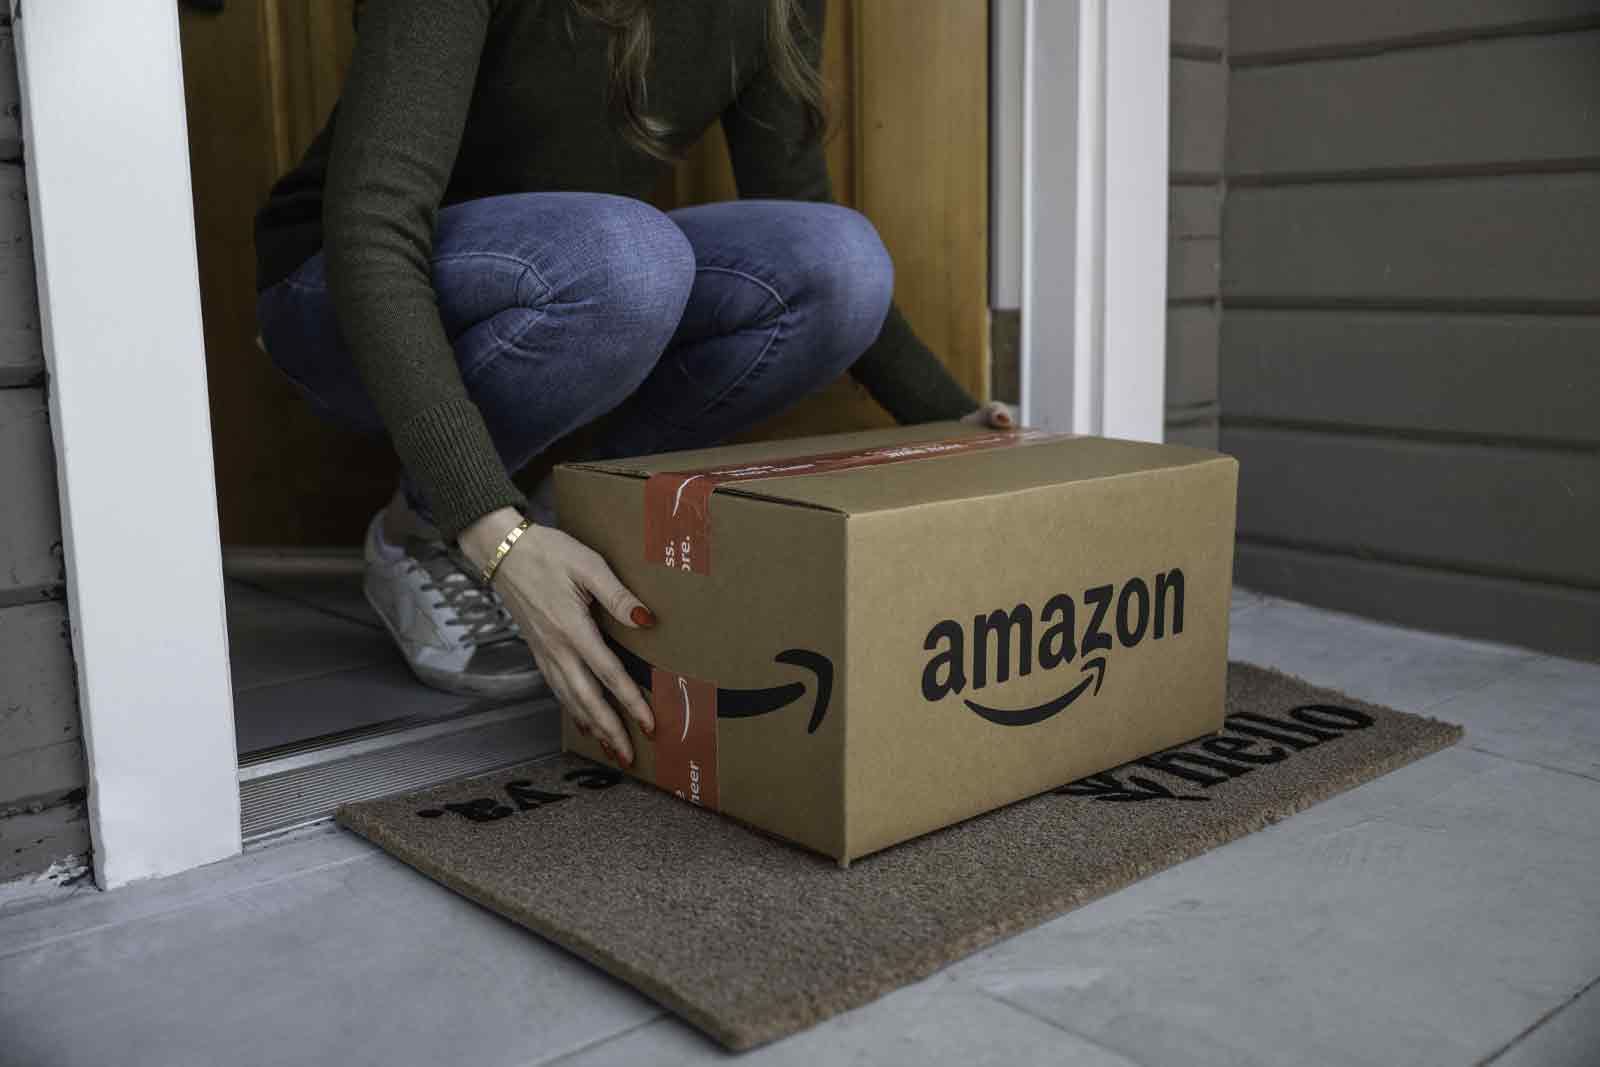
x=455 y=633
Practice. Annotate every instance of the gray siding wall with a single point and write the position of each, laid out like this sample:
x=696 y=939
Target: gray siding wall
x=41 y=751
x=1199 y=113
x=1410 y=350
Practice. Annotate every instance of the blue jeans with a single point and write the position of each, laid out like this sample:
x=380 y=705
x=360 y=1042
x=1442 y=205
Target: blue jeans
x=562 y=306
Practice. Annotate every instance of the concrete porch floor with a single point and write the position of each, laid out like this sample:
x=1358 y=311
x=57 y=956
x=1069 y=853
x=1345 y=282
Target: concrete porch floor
x=1448 y=913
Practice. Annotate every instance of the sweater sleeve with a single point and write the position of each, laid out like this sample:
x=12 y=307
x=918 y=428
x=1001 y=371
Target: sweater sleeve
x=394 y=144
x=765 y=127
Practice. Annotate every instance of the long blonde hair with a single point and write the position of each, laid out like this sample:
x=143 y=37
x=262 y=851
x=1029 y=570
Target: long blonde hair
x=630 y=24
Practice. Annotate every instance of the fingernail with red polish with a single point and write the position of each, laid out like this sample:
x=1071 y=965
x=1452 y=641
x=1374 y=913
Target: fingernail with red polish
x=648 y=731
x=605 y=746
x=642 y=616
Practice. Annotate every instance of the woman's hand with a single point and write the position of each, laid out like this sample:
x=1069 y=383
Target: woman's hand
x=996 y=413
x=548 y=580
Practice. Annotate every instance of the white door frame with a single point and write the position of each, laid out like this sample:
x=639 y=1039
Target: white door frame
x=1093 y=218
x=107 y=155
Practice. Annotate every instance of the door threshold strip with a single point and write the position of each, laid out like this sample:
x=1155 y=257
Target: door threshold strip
x=282 y=792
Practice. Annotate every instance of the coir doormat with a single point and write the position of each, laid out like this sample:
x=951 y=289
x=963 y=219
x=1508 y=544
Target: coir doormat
x=750 y=939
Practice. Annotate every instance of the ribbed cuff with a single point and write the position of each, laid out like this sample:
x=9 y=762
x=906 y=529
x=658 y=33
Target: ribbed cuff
x=907 y=379
x=452 y=459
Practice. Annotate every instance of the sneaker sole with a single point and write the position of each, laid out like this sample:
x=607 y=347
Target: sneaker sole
x=498 y=686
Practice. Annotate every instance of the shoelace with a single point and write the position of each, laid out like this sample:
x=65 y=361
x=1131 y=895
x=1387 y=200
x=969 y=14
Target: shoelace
x=478 y=609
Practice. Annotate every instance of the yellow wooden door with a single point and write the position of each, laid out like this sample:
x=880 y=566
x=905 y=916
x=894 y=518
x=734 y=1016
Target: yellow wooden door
x=908 y=84
x=908 y=81
x=260 y=77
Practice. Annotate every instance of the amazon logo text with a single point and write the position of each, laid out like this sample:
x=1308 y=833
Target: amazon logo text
x=1003 y=644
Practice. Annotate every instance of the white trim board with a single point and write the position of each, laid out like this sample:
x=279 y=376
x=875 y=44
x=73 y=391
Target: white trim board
x=107 y=158
x=1094 y=215
x=1007 y=26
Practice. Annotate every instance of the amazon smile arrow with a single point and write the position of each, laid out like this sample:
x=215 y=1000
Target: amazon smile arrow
x=1039 y=713
x=747 y=703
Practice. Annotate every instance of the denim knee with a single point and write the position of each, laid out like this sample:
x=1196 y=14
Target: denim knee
x=850 y=277
x=642 y=269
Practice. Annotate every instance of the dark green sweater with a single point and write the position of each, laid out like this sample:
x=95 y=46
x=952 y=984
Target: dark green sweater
x=448 y=100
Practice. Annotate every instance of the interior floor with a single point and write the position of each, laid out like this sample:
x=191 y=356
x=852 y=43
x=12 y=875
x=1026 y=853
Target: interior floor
x=1447 y=913
x=311 y=659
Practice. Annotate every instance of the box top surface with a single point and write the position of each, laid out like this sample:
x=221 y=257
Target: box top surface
x=1028 y=463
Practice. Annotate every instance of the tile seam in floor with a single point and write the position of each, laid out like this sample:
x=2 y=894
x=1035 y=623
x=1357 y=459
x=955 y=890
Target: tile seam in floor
x=1531 y=763
x=313 y=676
x=1057 y=1025
x=1432 y=706
x=1474 y=645
x=588 y=1046
x=1486 y=683
x=1387 y=630
x=25 y=895
x=1537 y=1023
x=368 y=623
x=158 y=913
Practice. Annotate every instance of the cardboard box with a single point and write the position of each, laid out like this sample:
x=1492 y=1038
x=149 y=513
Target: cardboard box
x=923 y=624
